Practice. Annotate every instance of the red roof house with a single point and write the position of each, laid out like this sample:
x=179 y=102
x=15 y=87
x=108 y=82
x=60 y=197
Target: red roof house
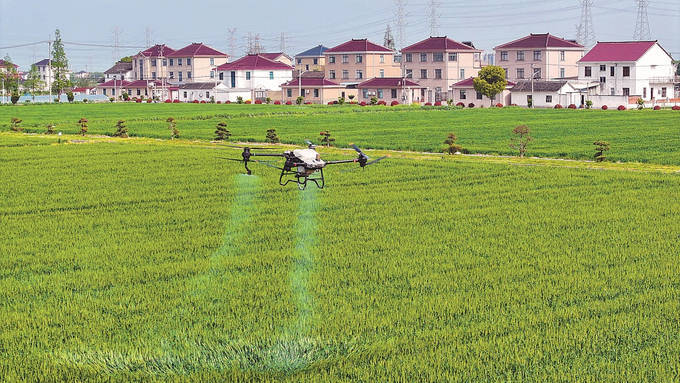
x=540 y=40
x=437 y=44
x=197 y=50
x=254 y=62
x=158 y=50
x=357 y=45
x=618 y=51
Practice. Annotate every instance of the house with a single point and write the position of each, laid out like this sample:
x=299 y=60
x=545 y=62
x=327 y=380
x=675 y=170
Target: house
x=548 y=94
x=546 y=56
x=120 y=71
x=83 y=91
x=47 y=73
x=256 y=74
x=439 y=62
x=316 y=90
x=112 y=88
x=4 y=64
x=155 y=89
x=464 y=91
x=194 y=63
x=635 y=69
x=151 y=63
x=280 y=57
x=80 y=75
x=312 y=59
x=355 y=61
x=209 y=91
x=389 y=89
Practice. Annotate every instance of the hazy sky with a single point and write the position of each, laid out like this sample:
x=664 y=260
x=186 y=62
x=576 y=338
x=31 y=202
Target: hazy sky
x=177 y=23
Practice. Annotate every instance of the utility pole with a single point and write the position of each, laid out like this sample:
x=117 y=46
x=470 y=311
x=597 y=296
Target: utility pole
x=49 y=66
x=433 y=17
x=401 y=21
x=642 y=22
x=585 y=33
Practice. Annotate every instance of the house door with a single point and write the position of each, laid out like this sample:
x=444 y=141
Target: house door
x=529 y=100
x=233 y=79
x=651 y=93
x=583 y=99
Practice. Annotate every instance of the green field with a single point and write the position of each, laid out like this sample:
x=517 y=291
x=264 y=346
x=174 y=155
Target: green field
x=153 y=260
x=638 y=136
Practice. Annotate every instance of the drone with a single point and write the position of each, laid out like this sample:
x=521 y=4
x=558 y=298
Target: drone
x=301 y=165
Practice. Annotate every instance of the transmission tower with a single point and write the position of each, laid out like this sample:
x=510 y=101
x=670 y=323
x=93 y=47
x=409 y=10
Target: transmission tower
x=257 y=46
x=585 y=33
x=401 y=20
x=116 y=44
x=433 y=17
x=148 y=37
x=232 y=41
x=389 y=39
x=642 y=22
x=282 y=47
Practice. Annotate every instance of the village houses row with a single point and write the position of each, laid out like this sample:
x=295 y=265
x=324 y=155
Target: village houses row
x=542 y=70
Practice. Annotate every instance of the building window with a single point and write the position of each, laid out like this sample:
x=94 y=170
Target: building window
x=207 y=94
x=165 y=62
x=172 y=75
x=479 y=96
x=520 y=73
x=644 y=92
x=603 y=68
x=331 y=74
x=139 y=92
x=153 y=62
x=172 y=62
x=548 y=99
x=520 y=55
x=563 y=56
x=537 y=55
x=396 y=58
x=409 y=57
x=380 y=93
x=663 y=92
x=345 y=74
x=345 y=59
x=423 y=73
x=438 y=74
x=504 y=55
x=247 y=75
x=289 y=93
x=212 y=74
x=359 y=59
x=299 y=61
x=331 y=59
x=315 y=61
x=562 y=74
x=316 y=93
x=271 y=75
x=626 y=71
x=462 y=94
x=221 y=76
x=104 y=91
x=462 y=74
x=307 y=67
x=603 y=80
x=393 y=93
x=212 y=61
x=360 y=75
x=409 y=73
x=612 y=91
x=189 y=75
x=537 y=73
x=611 y=71
x=188 y=61
x=180 y=76
x=453 y=56
x=382 y=73
x=179 y=62
x=438 y=57
x=505 y=70
x=423 y=57
x=185 y=94
x=626 y=91
x=153 y=75
x=382 y=59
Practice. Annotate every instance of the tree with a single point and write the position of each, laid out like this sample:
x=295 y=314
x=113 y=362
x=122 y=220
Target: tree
x=222 y=133
x=299 y=100
x=521 y=139
x=16 y=124
x=451 y=146
x=172 y=126
x=83 y=125
x=490 y=81
x=600 y=148
x=121 y=129
x=327 y=139
x=50 y=128
x=272 y=137
x=33 y=81
x=59 y=66
x=126 y=59
x=9 y=77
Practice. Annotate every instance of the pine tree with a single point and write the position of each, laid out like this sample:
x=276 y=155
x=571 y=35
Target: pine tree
x=272 y=137
x=59 y=65
x=121 y=129
x=222 y=133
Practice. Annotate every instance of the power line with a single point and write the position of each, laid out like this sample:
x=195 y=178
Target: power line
x=641 y=22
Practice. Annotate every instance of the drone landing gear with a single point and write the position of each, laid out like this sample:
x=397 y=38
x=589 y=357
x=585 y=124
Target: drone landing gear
x=302 y=179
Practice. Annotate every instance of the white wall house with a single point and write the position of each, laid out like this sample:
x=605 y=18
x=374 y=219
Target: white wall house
x=47 y=73
x=635 y=69
x=254 y=74
x=207 y=91
x=120 y=71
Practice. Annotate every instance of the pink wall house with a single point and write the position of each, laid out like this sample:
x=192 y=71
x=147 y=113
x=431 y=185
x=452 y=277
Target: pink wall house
x=437 y=63
x=389 y=89
x=356 y=61
x=547 y=56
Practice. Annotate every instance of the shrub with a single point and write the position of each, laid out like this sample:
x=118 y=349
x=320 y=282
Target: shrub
x=394 y=103
x=277 y=102
x=69 y=96
x=218 y=102
x=83 y=126
x=258 y=102
x=558 y=106
x=15 y=98
x=374 y=100
x=461 y=104
x=168 y=101
x=50 y=128
x=363 y=103
x=85 y=101
x=308 y=103
x=268 y=100
x=176 y=101
x=621 y=107
x=121 y=129
x=299 y=100
x=437 y=103
x=138 y=100
x=330 y=102
x=111 y=99
x=589 y=104
x=327 y=139
x=521 y=139
x=471 y=105
x=657 y=107
x=222 y=133
x=428 y=104
x=289 y=103
x=249 y=102
x=600 y=148
x=172 y=126
x=16 y=124
x=239 y=100
x=335 y=102
x=272 y=137
x=228 y=102
x=640 y=103
x=499 y=105
x=382 y=102
x=676 y=107
x=125 y=96
x=451 y=146
x=604 y=107
x=572 y=106
x=203 y=102
x=341 y=100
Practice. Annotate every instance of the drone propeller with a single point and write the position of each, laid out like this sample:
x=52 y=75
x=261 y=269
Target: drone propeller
x=376 y=160
x=253 y=147
x=253 y=160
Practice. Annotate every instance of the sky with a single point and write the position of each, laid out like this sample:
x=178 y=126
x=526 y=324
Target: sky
x=486 y=23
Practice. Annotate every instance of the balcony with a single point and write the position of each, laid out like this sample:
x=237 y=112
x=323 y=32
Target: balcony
x=664 y=79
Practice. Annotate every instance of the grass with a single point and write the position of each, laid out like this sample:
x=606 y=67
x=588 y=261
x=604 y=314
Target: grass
x=147 y=260
x=635 y=136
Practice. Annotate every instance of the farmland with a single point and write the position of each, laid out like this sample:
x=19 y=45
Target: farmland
x=142 y=259
x=635 y=136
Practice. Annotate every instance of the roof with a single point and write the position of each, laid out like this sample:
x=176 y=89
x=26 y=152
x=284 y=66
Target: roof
x=617 y=51
x=196 y=49
x=310 y=73
x=143 y=83
x=157 y=50
x=274 y=55
x=4 y=63
x=313 y=52
x=358 y=45
x=43 y=62
x=540 y=40
x=387 y=82
x=119 y=67
x=470 y=83
x=113 y=83
x=254 y=62
x=310 y=81
x=539 y=86
x=198 y=85
x=436 y=44
x=80 y=90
